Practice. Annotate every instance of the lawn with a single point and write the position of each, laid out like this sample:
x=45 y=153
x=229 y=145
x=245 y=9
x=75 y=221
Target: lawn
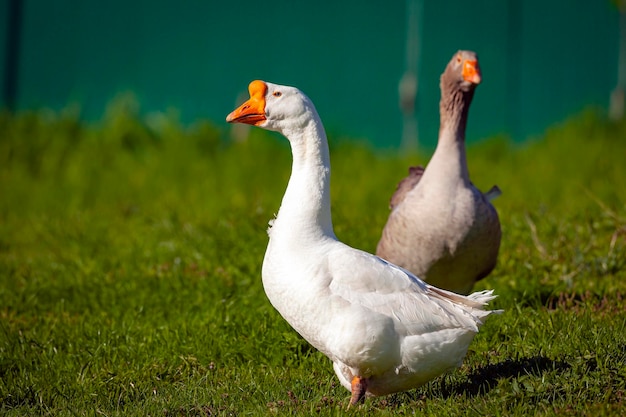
x=130 y=255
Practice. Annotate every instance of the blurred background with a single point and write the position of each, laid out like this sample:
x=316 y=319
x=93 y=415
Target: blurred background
x=371 y=67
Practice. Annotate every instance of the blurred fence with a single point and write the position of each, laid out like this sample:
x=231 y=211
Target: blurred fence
x=541 y=60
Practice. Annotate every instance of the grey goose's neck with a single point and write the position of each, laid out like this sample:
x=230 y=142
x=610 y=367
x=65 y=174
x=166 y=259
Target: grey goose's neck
x=454 y=109
x=449 y=160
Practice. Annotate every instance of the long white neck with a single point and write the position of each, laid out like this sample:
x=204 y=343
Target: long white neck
x=305 y=209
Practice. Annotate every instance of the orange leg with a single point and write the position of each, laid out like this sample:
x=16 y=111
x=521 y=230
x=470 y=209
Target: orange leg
x=359 y=386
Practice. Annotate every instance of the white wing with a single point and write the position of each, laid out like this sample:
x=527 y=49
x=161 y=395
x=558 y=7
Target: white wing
x=418 y=308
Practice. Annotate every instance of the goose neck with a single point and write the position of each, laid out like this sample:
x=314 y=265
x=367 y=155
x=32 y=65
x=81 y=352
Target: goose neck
x=454 y=110
x=305 y=209
x=450 y=152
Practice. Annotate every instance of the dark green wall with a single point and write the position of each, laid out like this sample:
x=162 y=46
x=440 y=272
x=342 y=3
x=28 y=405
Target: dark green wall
x=541 y=60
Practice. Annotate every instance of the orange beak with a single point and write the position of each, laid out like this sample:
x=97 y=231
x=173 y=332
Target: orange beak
x=471 y=71
x=251 y=112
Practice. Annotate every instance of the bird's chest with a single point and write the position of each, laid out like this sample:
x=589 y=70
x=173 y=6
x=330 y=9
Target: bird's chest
x=295 y=283
x=445 y=214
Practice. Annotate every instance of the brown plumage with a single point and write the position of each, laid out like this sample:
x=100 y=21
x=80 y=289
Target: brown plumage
x=441 y=227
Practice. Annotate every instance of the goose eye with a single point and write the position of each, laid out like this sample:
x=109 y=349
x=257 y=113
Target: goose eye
x=458 y=59
x=277 y=94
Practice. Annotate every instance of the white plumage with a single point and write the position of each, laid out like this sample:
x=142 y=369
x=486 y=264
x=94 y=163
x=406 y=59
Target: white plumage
x=384 y=329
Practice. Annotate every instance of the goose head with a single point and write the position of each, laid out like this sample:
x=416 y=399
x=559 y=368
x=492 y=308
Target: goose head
x=462 y=72
x=274 y=107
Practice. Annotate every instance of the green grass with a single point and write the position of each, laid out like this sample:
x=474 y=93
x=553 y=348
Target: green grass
x=130 y=256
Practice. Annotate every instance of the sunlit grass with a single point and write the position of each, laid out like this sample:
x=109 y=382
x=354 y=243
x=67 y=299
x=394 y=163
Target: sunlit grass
x=130 y=255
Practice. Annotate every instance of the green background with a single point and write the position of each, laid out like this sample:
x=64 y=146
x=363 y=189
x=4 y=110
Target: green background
x=541 y=60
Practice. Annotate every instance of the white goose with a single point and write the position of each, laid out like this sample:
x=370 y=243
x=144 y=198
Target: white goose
x=384 y=329
x=441 y=227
